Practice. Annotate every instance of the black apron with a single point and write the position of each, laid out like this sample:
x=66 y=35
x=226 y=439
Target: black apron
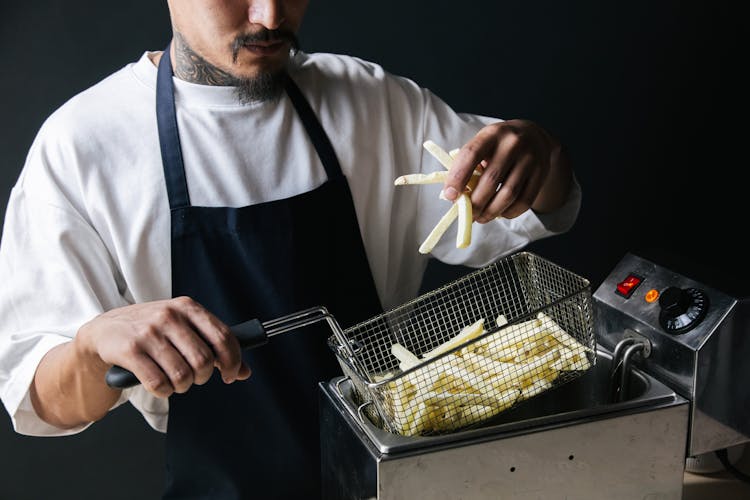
x=260 y=438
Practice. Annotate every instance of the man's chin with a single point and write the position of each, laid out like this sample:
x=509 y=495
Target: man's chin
x=263 y=86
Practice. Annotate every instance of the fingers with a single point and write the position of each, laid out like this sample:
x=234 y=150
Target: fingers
x=169 y=345
x=467 y=159
x=496 y=181
x=224 y=347
x=513 y=158
x=514 y=195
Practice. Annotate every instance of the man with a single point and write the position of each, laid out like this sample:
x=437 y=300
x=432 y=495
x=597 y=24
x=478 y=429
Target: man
x=262 y=177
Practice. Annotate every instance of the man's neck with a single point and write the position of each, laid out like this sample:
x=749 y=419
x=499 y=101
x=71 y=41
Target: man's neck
x=191 y=67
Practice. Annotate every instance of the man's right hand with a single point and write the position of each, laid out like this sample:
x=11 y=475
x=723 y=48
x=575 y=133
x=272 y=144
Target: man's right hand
x=169 y=345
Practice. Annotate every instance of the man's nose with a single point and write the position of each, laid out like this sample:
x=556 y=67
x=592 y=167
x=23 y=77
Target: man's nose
x=268 y=13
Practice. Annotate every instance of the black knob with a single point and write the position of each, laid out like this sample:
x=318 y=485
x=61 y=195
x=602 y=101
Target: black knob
x=682 y=309
x=674 y=301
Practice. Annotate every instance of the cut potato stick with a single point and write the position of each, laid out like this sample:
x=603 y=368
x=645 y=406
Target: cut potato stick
x=463 y=236
x=459 y=399
x=470 y=332
x=535 y=388
x=474 y=414
x=511 y=336
x=487 y=365
x=531 y=369
x=561 y=335
x=405 y=356
x=440 y=228
x=431 y=178
x=439 y=153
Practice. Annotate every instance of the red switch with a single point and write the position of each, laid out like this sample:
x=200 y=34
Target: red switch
x=627 y=286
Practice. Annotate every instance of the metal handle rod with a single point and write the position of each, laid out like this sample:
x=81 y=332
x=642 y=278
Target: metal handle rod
x=614 y=386
x=621 y=345
x=308 y=317
x=629 y=352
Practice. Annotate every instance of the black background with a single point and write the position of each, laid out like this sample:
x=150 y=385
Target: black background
x=649 y=98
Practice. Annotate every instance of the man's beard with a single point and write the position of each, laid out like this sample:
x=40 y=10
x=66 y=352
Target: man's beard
x=267 y=85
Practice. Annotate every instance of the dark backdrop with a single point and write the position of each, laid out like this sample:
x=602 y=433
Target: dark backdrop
x=646 y=96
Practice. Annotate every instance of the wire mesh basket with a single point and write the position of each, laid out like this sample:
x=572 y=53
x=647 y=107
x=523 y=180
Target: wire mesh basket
x=459 y=355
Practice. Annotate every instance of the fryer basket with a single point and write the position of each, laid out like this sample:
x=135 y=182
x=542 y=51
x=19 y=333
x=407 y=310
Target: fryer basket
x=548 y=340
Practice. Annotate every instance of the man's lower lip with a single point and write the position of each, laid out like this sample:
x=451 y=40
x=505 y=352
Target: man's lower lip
x=265 y=50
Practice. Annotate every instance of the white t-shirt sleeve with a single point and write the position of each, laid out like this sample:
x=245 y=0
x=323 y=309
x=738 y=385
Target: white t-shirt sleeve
x=56 y=274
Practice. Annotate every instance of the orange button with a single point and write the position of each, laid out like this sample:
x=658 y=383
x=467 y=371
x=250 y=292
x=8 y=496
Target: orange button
x=651 y=295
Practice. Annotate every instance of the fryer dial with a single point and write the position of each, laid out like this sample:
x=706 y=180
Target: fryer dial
x=682 y=309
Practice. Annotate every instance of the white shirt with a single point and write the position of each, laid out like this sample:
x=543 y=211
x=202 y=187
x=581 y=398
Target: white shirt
x=87 y=226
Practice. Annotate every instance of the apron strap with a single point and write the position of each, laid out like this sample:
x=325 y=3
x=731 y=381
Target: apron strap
x=314 y=129
x=169 y=138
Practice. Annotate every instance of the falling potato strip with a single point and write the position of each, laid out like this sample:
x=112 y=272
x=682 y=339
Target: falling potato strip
x=437 y=232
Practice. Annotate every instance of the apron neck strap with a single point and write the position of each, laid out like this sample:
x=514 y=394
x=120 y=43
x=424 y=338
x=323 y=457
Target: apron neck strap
x=169 y=137
x=314 y=129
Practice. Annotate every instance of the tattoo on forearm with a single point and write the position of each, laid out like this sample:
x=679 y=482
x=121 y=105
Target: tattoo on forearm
x=191 y=67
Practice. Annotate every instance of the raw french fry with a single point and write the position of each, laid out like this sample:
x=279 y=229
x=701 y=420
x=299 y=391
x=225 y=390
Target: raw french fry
x=504 y=344
x=454 y=367
x=466 y=398
x=437 y=232
x=439 y=153
x=463 y=236
x=416 y=420
x=501 y=320
x=474 y=414
x=405 y=356
x=466 y=334
x=483 y=364
x=561 y=335
x=535 y=348
x=533 y=368
x=535 y=388
x=431 y=178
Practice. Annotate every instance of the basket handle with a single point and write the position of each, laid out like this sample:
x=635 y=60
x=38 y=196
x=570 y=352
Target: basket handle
x=250 y=334
x=359 y=411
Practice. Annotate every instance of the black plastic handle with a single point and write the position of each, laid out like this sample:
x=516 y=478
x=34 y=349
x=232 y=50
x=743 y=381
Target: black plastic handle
x=250 y=334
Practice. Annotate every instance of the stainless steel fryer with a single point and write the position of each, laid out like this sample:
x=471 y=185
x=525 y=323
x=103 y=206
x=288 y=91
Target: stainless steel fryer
x=666 y=385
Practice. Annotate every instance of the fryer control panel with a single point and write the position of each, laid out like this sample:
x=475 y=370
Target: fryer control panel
x=697 y=344
x=644 y=293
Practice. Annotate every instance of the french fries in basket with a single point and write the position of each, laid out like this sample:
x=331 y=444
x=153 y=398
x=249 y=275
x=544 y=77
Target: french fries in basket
x=477 y=382
x=460 y=210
